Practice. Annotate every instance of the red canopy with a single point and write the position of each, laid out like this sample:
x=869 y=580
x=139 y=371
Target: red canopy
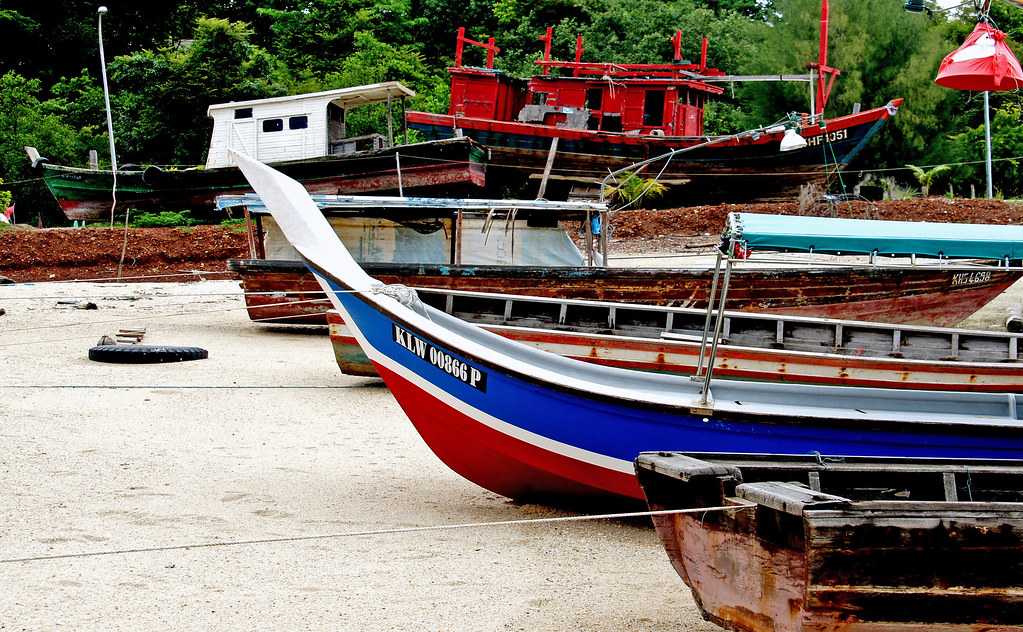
x=983 y=62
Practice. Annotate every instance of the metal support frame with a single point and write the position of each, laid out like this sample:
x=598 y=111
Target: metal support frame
x=987 y=144
x=705 y=390
x=710 y=310
x=604 y=227
x=390 y=123
x=589 y=240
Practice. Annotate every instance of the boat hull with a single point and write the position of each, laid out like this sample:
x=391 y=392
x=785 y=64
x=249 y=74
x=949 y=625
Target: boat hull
x=525 y=439
x=745 y=363
x=743 y=170
x=834 y=565
x=285 y=292
x=452 y=166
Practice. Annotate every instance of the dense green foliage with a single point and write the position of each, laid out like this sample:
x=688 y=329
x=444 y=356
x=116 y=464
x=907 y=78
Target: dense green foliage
x=168 y=61
x=163 y=219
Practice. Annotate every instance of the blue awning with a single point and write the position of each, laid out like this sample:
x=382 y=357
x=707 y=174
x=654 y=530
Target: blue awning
x=796 y=233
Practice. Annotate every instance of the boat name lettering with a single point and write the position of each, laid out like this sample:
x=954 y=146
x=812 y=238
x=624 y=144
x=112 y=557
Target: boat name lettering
x=458 y=369
x=830 y=137
x=970 y=278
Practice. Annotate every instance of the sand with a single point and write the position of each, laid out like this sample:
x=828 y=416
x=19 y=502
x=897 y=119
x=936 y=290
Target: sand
x=266 y=439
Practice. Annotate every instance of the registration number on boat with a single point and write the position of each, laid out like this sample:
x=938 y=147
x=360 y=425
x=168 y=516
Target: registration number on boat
x=456 y=368
x=970 y=278
x=830 y=137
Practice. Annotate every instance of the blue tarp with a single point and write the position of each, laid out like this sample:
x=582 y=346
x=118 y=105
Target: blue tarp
x=860 y=236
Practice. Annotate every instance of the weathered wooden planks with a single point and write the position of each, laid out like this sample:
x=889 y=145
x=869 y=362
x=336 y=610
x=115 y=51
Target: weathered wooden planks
x=879 y=548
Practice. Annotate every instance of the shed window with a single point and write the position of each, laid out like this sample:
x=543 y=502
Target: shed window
x=595 y=98
x=298 y=122
x=653 y=108
x=539 y=98
x=243 y=113
x=273 y=125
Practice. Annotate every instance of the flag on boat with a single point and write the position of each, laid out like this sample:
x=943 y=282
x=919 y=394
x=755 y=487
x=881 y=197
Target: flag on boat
x=984 y=62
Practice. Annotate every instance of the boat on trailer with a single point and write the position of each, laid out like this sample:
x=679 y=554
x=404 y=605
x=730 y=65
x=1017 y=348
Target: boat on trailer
x=305 y=136
x=529 y=424
x=753 y=346
x=517 y=247
x=577 y=120
x=818 y=543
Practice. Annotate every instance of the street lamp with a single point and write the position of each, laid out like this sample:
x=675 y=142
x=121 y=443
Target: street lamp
x=101 y=11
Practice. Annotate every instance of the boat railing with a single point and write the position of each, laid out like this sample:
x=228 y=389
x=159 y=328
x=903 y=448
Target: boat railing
x=739 y=329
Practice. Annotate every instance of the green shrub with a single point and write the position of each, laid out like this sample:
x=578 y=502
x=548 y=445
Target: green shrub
x=163 y=219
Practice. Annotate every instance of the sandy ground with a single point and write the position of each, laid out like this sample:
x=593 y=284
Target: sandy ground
x=266 y=439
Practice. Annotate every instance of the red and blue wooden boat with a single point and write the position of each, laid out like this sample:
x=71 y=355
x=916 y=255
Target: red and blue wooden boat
x=525 y=423
x=590 y=118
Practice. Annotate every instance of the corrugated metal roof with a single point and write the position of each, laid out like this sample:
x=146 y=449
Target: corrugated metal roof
x=343 y=97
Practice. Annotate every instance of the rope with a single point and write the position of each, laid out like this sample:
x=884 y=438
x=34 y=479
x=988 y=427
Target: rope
x=198 y=273
x=376 y=532
x=135 y=297
x=118 y=387
x=206 y=311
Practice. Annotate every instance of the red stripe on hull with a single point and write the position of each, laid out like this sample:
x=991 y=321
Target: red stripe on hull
x=495 y=461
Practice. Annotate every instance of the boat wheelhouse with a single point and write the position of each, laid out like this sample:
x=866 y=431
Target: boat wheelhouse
x=301 y=126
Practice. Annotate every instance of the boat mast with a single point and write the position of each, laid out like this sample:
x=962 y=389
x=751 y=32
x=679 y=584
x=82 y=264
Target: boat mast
x=822 y=74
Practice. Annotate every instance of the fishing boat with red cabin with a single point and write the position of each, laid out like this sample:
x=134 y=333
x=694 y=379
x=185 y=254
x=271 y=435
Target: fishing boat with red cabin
x=526 y=423
x=577 y=120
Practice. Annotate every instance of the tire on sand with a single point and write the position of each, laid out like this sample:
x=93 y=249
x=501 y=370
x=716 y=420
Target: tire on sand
x=145 y=354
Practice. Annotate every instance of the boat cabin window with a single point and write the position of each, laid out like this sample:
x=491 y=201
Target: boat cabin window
x=594 y=98
x=539 y=98
x=241 y=113
x=273 y=125
x=611 y=122
x=298 y=122
x=653 y=108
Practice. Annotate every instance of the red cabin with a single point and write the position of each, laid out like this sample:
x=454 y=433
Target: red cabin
x=644 y=99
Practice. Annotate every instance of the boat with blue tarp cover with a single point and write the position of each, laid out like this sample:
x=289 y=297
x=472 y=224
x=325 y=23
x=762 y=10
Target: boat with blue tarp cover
x=525 y=423
x=832 y=235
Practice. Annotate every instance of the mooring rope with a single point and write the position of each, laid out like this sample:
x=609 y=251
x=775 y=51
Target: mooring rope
x=375 y=532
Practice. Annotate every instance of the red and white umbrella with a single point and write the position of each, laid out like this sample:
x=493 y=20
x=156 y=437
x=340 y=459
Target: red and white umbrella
x=983 y=63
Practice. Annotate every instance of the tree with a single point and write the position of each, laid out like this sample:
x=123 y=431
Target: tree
x=28 y=121
x=160 y=97
x=926 y=177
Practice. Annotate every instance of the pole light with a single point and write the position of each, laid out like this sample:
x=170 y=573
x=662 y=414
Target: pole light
x=101 y=11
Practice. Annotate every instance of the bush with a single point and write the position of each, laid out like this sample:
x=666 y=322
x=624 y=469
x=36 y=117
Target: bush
x=163 y=219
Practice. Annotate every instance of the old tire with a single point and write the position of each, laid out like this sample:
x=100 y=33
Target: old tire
x=145 y=354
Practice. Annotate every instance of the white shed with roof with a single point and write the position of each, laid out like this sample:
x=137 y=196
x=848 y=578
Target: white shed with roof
x=299 y=126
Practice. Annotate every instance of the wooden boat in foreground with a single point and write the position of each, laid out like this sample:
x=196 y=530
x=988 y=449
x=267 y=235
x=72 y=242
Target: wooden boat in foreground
x=753 y=346
x=525 y=423
x=280 y=290
x=835 y=544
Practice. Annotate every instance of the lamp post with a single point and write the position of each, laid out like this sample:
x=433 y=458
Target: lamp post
x=965 y=69
x=101 y=11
